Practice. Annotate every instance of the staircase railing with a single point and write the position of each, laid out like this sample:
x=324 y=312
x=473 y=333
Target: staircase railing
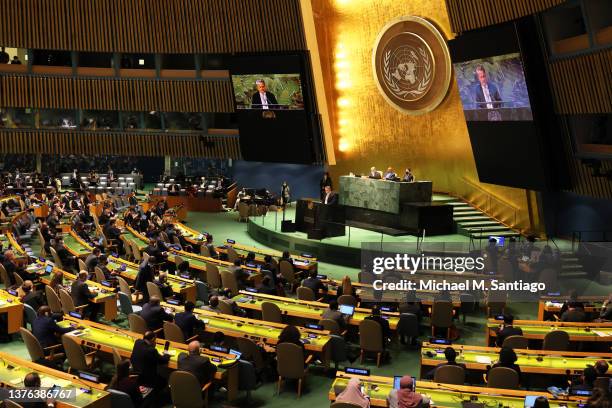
x=489 y=203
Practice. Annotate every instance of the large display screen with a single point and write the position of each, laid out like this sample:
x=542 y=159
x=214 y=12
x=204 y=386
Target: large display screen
x=268 y=91
x=493 y=88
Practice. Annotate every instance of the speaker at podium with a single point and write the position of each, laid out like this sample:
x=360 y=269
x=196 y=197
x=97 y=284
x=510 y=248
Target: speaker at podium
x=319 y=220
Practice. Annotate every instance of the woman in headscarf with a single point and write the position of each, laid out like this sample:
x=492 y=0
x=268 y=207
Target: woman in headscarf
x=406 y=397
x=352 y=394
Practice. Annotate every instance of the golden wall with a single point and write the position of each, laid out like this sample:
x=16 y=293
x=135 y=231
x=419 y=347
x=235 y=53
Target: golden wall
x=369 y=132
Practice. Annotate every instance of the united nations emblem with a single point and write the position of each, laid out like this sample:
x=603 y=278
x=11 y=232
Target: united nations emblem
x=412 y=65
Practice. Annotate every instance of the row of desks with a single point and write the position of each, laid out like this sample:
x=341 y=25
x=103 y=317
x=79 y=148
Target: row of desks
x=14 y=369
x=479 y=358
x=106 y=338
x=303 y=309
x=129 y=270
x=447 y=395
x=537 y=330
x=256 y=330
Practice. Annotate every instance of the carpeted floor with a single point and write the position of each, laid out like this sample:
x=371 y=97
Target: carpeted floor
x=403 y=360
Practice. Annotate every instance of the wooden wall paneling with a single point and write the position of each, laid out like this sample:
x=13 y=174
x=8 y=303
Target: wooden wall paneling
x=467 y=15
x=571 y=96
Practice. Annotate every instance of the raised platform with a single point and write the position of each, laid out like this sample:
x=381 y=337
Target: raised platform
x=345 y=250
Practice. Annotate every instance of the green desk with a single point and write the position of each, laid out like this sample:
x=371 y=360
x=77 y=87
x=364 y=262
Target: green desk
x=256 y=330
x=129 y=270
x=12 y=306
x=104 y=295
x=303 y=309
x=76 y=247
x=104 y=338
x=477 y=358
x=588 y=332
x=447 y=395
x=13 y=370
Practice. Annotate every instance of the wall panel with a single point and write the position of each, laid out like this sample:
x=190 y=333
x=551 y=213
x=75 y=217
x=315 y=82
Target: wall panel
x=581 y=84
x=467 y=15
x=118 y=143
x=22 y=91
x=156 y=26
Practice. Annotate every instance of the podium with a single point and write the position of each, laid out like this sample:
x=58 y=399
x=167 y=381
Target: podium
x=319 y=220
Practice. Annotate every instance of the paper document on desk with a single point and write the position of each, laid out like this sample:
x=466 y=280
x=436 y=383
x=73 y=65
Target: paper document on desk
x=602 y=334
x=483 y=359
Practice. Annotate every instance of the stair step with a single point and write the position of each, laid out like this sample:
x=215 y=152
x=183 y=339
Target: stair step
x=465 y=210
x=472 y=218
x=502 y=234
x=462 y=224
x=489 y=228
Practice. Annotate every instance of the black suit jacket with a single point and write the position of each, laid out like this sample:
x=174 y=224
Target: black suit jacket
x=34 y=299
x=332 y=200
x=188 y=323
x=80 y=293
x=44 y=328
x=154 y=316
x=256 y=100
x=145 y=274
x=199 y=366
x=145 y=359
x=507 y=332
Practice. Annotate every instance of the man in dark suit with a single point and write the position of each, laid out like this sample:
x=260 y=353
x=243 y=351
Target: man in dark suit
x=92 y=259
x=33 y=298
x=198 y=365
x=485 y=93
x=451 y=357
x=81 y=295
x=187 y=321
x=154 y=314
x=145 y=360
x=146 y=273
x=314 y=284
x=46 y=330
x=68 y=260
x=263 y=98
x=330 y=198
x=507 y=330
x=384 y=323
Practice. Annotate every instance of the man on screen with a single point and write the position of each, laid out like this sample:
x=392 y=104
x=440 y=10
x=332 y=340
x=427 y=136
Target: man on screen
x=485 y=92
x=262 y=98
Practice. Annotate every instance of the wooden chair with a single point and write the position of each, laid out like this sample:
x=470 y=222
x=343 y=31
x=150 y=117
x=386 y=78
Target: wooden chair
x=137 y=324
x=270 y=312
x=186 y=391
x=154 y=290
x=4 y=276
x=371 y=340
x=53 y=300
x=213 y=277
x=56 y=259
x=228 y=280
x=36 y=351
x=442 y=317
x=232 y=255
x=77 y=359
x=304 y=293
x=290 y=365
x=450 y=374
x=82 y=266
x=68 y=304
x=556 y=340
x=225 y=308
x=174 y=333
x=288 y=273
x=99 y=275
x=503 y=377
